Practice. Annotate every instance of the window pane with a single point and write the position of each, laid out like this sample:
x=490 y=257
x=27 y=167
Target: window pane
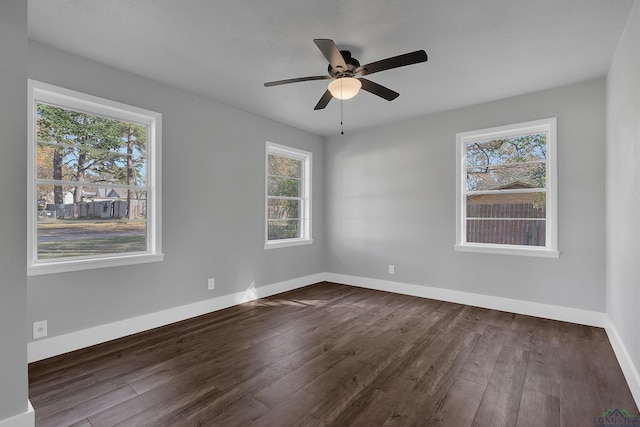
x=74 y=201
x=283 y=209
x=507 y=177
x=525 y=148
x=510 y=205
x=284 y=166
x=283 y=229
x=284 y=187
x=528 y=232
x=98 y=227
x=517 y=162
x=56 y=162
x=77 y=146
x=507 y=219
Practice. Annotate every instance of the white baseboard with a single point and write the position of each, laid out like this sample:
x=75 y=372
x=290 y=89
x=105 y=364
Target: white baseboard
x=25 y=419
x=547 y=311
x=49 y=347
x=624 y=359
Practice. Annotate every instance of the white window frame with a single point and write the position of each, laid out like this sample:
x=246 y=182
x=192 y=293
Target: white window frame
x=306 y=157
x=550 y=250
x=47 y=93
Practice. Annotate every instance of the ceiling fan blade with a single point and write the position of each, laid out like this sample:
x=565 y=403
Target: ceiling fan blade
x=324 y=100
x=332 y=53
x=393 y=62
x=298 y=79
x=379 y=90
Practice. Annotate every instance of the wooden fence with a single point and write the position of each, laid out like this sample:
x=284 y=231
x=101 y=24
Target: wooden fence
x=506 y=224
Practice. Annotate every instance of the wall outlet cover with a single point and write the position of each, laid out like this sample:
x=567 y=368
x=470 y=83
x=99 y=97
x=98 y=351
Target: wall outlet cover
x=39 y=329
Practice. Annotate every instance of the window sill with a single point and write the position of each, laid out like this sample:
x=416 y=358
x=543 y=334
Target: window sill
x=509 y=250
x=285 y=243
x=88 y=264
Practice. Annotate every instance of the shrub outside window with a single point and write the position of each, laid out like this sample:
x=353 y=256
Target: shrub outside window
x=288 y=196
x=93 y=182
x=507 y=200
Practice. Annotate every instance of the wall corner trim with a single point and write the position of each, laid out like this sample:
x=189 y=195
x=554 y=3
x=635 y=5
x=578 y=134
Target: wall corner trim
x=25 y=419
x=629 y=370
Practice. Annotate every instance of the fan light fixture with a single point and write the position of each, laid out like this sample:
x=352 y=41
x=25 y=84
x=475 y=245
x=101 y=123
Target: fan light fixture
x=344 y=87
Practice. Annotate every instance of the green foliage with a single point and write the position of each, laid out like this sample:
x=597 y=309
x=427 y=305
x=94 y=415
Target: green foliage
x=284 y=188
x=65 y=126
x=284 y=176
x=85 y=148
x=283 y=229
x=285 y=166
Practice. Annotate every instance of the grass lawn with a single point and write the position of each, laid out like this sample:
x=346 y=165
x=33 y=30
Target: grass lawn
x=72 y=238
x=89 y=247
x=92 y=225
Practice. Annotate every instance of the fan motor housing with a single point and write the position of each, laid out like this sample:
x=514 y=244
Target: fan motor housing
x=352 y=65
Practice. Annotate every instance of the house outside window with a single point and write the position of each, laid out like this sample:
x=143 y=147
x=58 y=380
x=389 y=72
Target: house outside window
x=507 y=190
x=94 y=182
x=288 y=196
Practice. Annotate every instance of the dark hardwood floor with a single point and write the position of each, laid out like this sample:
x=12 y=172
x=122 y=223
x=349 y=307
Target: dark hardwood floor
x=330 y=354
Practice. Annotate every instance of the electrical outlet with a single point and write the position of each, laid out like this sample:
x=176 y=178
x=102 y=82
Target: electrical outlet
x=39 y=329
x=392 y=269
x=211 y=284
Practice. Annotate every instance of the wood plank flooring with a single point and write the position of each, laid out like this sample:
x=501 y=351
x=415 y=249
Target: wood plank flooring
x=330 y=354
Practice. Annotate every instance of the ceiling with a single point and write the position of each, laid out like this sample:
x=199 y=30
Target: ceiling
x=479 y=50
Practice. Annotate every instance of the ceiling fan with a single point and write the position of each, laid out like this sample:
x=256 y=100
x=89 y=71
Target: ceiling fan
x=345 y=73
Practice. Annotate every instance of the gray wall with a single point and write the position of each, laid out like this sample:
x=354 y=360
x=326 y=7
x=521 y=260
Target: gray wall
x=213 y=205
x=390 y=199
x=13 y=225
x=623 y=188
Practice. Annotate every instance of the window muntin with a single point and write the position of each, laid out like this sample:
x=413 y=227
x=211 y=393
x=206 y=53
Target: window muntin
x=94 y=182
x=288 y=192
x=507 y=192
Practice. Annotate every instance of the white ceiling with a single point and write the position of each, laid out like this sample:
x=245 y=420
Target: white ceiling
x=479 y=50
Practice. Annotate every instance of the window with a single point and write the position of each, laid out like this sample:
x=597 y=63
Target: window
x=94 y=182
x=507 y=191
x=288 y=196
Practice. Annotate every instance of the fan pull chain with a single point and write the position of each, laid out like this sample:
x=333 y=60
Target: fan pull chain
x=341 y=124
x=341 y=109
